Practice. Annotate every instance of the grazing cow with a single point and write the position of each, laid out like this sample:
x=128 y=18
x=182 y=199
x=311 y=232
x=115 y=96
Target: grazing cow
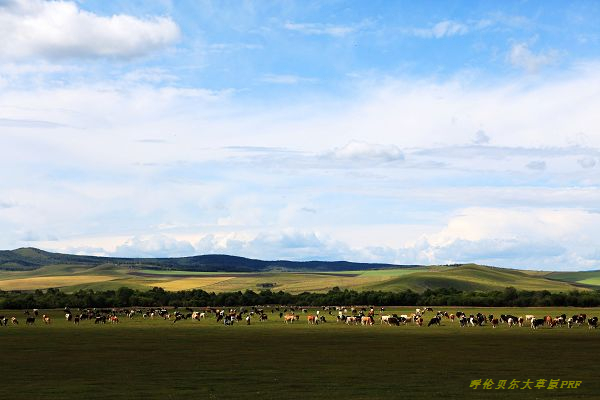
x=3 y=320
x=14 y=321
x=68 y=316
x=312 y=319
x=290 y=318
x=593 y=323
x=351 y=320
x=494 y=322
x=529 y=317
x=35 y=312
x=537 y=322
x=114 y=319
x=434 y=321
x=368 y=320
x=548 y=320
x=30 y=320
x=46 y=319
x=248 y=320
x=101 y=319
x=570 y=323
x=520 y=321
x=394 y=321
x=452 y=317
x=510 y=322
x=420 y=321
x=385 y=319
x=76 y=320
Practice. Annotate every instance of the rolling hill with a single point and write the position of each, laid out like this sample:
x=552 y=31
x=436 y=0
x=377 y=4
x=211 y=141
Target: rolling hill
x=30 y=269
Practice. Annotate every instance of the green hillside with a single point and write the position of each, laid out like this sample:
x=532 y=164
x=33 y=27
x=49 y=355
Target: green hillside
x=39 y=270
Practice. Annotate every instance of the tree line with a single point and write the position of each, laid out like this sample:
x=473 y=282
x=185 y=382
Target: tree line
x=158 y=297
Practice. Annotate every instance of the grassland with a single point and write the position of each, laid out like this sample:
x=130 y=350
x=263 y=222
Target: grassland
x=466 y=277
x=190 y=359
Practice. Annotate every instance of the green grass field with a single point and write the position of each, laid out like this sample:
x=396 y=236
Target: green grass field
x=467 y=277
x=202 y=359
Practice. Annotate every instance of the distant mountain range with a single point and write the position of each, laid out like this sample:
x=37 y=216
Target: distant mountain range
x=28 y=258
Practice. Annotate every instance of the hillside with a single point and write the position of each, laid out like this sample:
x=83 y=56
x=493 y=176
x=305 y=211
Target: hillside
x=29 y=269
x=30 y=258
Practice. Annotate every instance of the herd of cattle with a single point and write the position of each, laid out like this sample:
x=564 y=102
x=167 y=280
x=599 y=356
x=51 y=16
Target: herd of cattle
x=347 y=315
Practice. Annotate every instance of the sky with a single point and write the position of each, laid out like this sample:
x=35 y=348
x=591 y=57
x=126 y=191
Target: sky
x=381 y=131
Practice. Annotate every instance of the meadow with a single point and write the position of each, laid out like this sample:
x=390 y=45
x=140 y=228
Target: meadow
x=155 y=358
x=70 y=278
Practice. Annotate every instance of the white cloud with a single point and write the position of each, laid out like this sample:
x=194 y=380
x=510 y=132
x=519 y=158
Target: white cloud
x=362 y=151
x=154 y=246
x=537 y=165
x=481 y=137
x=320 y=29
x=286 y=79
x=587 y=162
x=522 y=57
x=60 y=29
x=442 y=29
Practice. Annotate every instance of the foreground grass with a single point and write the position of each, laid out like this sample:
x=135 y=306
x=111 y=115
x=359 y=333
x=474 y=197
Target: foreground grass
x=158 y=359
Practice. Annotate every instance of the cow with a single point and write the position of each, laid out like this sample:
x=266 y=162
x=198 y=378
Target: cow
x=351 y=320
x=101 y=319
x=593 y=323
x=434 y=321
x=14 y=321
x=385 y=319
x=529 y=317
x=452 y=317
x=290 y=318
x=68 y=316
x=46 y=319
x=570 y=323
x=419 y=321
x=3 y=320
x=537 y=322
x=114 y=319
x=312 y=319
x=494 y=322
x=76 y=320
x=510 y=322
x=368 y=320
x=30 y=320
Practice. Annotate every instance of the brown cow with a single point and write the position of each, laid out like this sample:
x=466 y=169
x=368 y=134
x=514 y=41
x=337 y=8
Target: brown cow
x=312 y=319
x=367 y=320
x=290 y=318
x=46 y=319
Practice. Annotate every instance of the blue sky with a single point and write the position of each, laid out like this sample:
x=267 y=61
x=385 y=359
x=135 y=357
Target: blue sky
x=383 y=131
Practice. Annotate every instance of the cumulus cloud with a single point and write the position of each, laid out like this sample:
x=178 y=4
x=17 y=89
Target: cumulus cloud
x=362 y=151
x=522 y=57
x=60 y=29
x=154 y=246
